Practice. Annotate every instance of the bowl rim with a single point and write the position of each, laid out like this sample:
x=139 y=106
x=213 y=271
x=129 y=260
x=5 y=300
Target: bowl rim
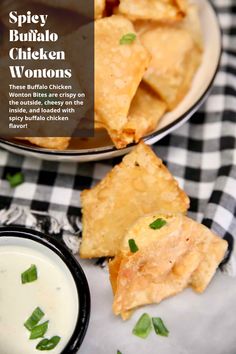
x=161 y=132
x=76 y=271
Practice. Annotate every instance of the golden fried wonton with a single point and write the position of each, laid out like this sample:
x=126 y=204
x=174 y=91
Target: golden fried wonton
x=119 y=69
x=156 y=10
x=50 y=143
x=192 y=24
x=140 y=184
x=180 y=253
x=145 y=112
x=175 y=59
x=212 y=258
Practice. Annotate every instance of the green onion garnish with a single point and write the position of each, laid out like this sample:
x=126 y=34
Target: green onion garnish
x=34 y=319
x=132 y=245
x=143 y=327
x=29 y=275
x=39 y=331
x=159 y=327
x=157 y=224
x=15 y=180
x=118 y=352
x=48 y=344
x=128 y=38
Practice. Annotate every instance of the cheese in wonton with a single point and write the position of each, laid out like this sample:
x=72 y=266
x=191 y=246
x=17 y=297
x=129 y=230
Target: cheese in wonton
x=181 y=253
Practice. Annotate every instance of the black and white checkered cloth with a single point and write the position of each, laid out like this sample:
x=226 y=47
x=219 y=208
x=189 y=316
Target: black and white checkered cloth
x=201 y=155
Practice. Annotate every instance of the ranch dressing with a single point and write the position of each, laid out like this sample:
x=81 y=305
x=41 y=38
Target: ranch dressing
x=54 y=292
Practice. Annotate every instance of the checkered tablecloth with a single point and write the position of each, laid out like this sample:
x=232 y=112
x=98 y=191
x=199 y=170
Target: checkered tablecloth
x=201 y=155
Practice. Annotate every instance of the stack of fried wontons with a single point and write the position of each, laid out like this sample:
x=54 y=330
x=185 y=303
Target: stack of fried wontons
x=140 y=201
x=138 y=80
x=136 y=83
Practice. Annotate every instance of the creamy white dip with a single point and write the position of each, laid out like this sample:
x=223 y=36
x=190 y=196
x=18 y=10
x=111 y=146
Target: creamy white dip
x=54 y=292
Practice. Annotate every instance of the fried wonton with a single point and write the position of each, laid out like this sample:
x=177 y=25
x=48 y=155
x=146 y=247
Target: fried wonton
x=119 y=69
x=203 y=274
x=175 y=59
x=49 y=143
x=192 y=24
x=156 y=10
x=168 y=260
x=145 y=112
x=140 y=184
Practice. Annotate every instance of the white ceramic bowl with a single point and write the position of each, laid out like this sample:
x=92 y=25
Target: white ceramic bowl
x=102 y=148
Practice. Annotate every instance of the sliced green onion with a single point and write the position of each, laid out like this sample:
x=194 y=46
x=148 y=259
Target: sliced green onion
x=16 y=179
x=158 y=224
x=132 y=245
x=143 y=327
x=29 y=275
x=118 y=352
x=48 y=344
x=39 y=331
x=128 y=38
x=34 y=319
x=159 y=327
